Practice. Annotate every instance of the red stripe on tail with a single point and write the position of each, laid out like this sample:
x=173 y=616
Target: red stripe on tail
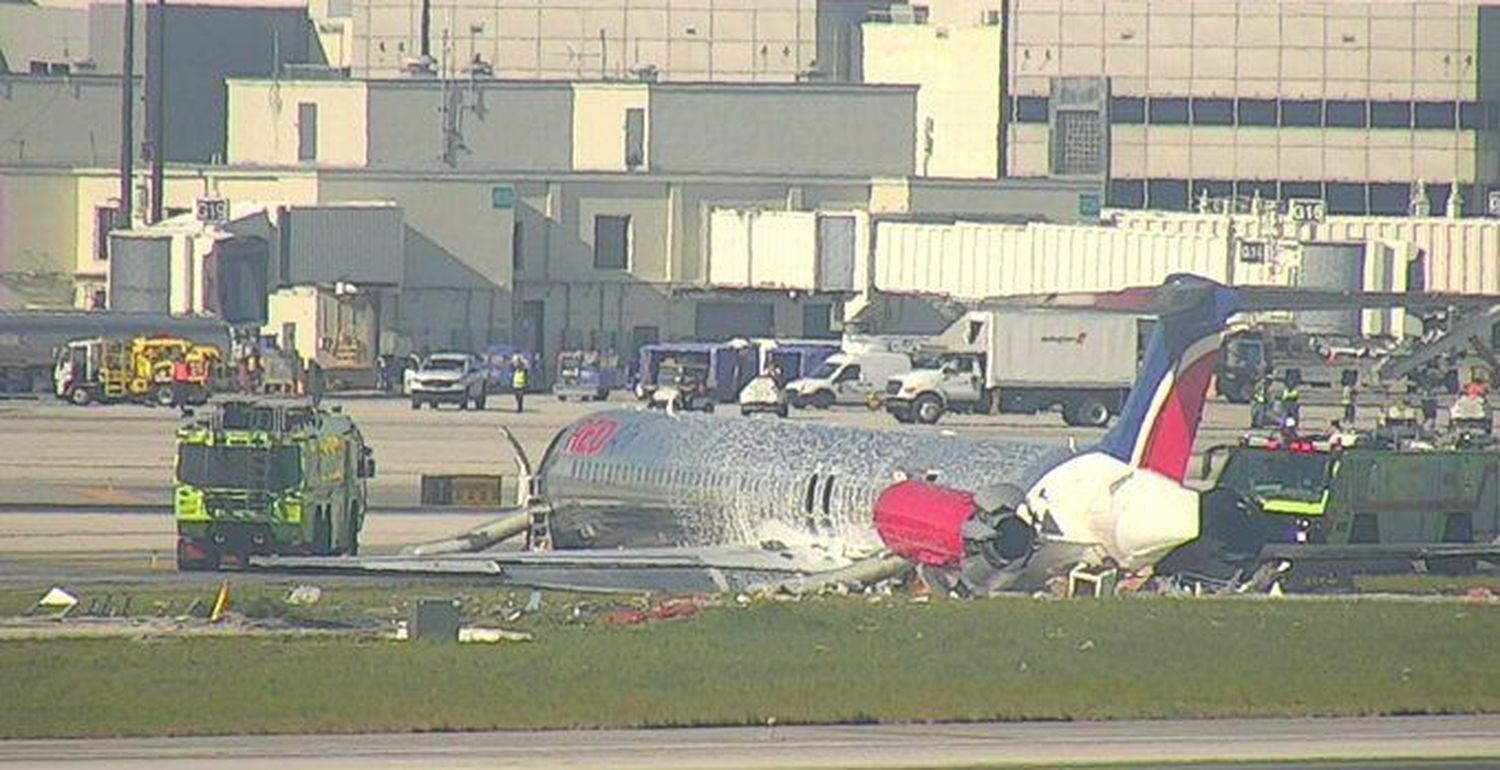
x=1169 y=445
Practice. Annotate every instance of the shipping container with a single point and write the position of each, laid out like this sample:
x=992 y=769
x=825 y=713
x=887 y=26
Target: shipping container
x=360 y=243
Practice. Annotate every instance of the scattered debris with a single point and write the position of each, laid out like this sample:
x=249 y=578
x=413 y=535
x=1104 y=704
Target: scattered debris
x=491 y=635
x=1479 y=594
x=55 y=603
x=667 y=610
x=303 y=596
x=221 y=603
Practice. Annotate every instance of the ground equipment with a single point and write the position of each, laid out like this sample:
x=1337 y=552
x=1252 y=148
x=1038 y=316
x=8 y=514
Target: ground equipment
x=137 y=369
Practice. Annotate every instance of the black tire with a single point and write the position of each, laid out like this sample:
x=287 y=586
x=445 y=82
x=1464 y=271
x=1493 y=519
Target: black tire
x=561 y=398
x=322 y=538
x=479 y=401
x=1088 y=412
x=415 y=405
x=352 y=530
x=161 y=395
x=80 y=396
x=821 y=400
x=782 y=411
x=927 y=409
x=708 y=407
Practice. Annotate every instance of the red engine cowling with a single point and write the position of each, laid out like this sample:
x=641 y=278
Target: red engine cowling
x=923 y=522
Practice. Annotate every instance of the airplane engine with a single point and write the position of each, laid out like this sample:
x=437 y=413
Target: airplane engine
x=980 y=533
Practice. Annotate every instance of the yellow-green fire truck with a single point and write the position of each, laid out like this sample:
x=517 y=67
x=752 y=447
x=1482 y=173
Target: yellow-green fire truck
x=268 y=478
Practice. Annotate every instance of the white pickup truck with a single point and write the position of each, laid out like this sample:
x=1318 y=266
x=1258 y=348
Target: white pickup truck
x=449 y=378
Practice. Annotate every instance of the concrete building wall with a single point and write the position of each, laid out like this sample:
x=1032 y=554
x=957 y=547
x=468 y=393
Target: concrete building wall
x=97 y=188
x=263 y=125
x=600 y=112
x=37 y=237
x=958 y=106
x=678 y=40
x=204 y=45
x=474 y=125
x=41 y=33
x=49 y=120
x=801 y=130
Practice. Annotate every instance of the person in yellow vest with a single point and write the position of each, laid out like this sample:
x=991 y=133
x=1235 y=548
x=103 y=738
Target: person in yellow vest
x=518 y=382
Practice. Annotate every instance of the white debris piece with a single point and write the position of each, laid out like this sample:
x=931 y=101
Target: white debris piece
x=491 y=635
x=304 y=596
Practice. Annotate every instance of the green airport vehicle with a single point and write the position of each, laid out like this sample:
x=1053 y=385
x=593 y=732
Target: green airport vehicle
x=261 y=477
x=1334 y=503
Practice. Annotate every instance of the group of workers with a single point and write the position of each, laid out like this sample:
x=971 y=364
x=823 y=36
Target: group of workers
x=1281 y=407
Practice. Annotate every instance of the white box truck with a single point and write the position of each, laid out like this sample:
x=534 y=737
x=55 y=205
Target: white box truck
x=1025 y=362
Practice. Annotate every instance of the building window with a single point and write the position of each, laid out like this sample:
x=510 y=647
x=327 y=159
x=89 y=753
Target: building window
x=1434 y=115
x=1390 y=114
x=635 y=138
x=1389 y=199
x=1301 y=190
x=106 y=218
x=1213 y=188
x=1080 y=143
x=1168 y=111
x=1346 y=198
x=611 y=242
x=1471 y=116
x=1213 y=112
x=1167 y=194
x=1345 y=114
x=1256 y=112
x=517 y=250
x=307 y=131
x=1127 y=111
x=1301 y=112
x=1126 y=194
x=1030 y=109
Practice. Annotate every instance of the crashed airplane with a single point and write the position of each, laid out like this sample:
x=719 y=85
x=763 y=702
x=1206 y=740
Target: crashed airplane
x=639 y=500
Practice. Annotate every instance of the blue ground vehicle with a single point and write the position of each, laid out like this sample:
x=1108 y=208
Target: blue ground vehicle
x=794 y=359
x=498 y=368
x=721 y=369
x=586 y=375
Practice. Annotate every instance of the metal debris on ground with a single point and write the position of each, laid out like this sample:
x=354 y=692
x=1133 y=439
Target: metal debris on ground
x=671 y=609
x=303 y=596
x=56 y=603
x=491 y=636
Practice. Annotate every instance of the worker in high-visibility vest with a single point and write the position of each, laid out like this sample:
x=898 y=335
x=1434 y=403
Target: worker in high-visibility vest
x=1291 y=403
x=1260 y=397
x=518 y=382
x=1346 y=399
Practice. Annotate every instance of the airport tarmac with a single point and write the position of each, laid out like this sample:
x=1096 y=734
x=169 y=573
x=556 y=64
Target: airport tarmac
x=81 y=481
x=1406 y=742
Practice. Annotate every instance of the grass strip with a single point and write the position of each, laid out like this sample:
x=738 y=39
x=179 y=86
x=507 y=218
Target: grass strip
x=830 y=660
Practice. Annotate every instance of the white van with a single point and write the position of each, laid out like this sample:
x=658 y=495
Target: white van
x=847 y=378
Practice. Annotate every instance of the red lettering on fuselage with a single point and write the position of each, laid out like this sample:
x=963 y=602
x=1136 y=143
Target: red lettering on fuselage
x=590 y=437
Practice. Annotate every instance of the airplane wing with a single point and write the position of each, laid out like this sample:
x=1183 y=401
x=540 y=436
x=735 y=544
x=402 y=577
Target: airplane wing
x=1170 y=297
x=720 y=569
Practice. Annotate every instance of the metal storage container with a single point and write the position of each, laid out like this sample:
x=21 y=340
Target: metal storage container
x=360 y=243
x=140 y=273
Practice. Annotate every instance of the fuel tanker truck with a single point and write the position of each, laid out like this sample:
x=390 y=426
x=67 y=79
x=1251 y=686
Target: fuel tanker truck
x=268 y=478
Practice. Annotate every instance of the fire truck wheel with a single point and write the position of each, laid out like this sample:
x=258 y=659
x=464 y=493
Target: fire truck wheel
x=80 y=396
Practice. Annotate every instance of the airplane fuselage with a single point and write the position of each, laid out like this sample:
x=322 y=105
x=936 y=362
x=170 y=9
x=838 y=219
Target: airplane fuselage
x=640 y=479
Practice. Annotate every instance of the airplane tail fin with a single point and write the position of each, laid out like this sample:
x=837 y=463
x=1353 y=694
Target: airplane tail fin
x=1160 y=418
